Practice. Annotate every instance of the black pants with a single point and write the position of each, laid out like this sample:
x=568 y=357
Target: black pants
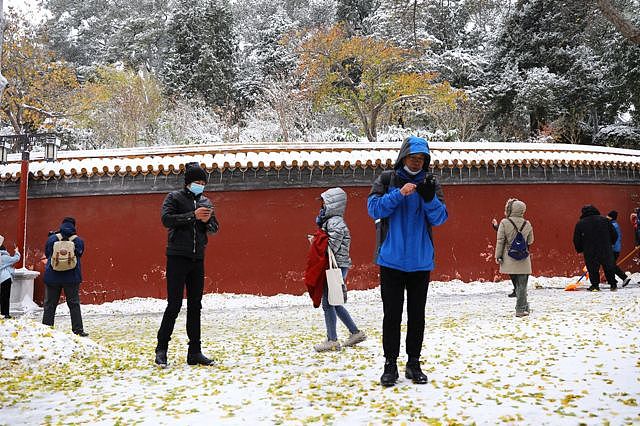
x=593 y=267
x=181 y=272
x=5 y=296
x=616 y=269
x=51 y=298
x=392 y=286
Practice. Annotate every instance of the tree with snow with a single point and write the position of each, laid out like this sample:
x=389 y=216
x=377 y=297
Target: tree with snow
x=200 y=58
x=40 y=86
x=364 y=76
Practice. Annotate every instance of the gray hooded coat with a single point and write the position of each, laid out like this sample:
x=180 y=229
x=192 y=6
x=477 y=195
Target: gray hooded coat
x=514 y=210
x=335 y=203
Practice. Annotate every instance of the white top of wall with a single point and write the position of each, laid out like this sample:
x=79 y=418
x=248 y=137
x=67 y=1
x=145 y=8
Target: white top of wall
x=171 y=159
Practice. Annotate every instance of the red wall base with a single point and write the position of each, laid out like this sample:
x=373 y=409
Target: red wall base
x=262 y=245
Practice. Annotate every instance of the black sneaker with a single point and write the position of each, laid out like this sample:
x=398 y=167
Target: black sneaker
x=390 y=375
x=198 y=359
x=593 y=288
x=512 y=294
x=81 y=333
x=414 y=373
x=161 y=358
x=614 y=288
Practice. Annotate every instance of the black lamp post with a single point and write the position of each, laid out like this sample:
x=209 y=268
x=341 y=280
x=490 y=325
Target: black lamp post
x=51 y=144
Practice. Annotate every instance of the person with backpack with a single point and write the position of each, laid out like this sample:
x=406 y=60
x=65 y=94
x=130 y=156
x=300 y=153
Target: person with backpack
x=594 y=236
x=188 y=216
x=515 y=235
x=63 y=271
x=331 y=220
x=405 y=202
x=6 y=270
x=617 y=246
x=494 y=225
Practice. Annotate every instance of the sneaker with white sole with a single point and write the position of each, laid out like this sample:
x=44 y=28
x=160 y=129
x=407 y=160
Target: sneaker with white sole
x=327 y=345
x=355 y=338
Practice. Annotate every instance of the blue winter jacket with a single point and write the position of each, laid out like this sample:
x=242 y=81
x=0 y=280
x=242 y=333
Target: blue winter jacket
x=408 y=245
x=72 y=276
x=617 y=246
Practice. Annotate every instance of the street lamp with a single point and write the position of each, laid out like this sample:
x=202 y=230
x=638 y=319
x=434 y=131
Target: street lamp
x=51 y=146
x=4 y=151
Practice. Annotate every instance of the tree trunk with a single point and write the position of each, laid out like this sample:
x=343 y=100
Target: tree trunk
x=3 y=80
x=623 y=25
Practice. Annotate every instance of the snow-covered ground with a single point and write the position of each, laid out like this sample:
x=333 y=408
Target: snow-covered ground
x=576 y=359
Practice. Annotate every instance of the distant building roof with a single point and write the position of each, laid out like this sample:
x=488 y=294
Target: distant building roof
x=171 y=159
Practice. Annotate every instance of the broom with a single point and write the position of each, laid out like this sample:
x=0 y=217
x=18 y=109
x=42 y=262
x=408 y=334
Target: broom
x=574 y=285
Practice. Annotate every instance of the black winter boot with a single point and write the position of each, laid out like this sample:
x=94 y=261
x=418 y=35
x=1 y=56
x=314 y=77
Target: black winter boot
x=414 y=373
x=161 y=357
x=390 y=375
x=198 y=359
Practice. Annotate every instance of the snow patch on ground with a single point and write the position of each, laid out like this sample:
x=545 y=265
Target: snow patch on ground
x=28 y=341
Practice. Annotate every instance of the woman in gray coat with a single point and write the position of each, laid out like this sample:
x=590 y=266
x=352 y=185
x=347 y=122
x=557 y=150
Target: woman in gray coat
x=518 y=270
x=331 y=220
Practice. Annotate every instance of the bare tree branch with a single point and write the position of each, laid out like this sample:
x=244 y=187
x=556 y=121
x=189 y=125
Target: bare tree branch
x=622 y=24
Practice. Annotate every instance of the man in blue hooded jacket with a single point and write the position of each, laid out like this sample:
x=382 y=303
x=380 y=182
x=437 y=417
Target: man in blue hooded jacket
x=405 y=202
x=69 y=280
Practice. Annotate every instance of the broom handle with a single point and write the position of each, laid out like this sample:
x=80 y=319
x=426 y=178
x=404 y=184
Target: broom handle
x=621 y=261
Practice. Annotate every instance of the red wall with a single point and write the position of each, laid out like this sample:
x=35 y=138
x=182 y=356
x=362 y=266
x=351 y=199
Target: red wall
x=262 y=245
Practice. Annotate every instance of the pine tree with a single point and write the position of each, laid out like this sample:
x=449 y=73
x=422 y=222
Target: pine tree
x=200 y=60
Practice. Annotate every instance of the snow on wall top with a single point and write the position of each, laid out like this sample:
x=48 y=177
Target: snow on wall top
x=171 y=159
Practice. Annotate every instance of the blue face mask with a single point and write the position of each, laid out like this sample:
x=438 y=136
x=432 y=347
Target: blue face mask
x=196 y=188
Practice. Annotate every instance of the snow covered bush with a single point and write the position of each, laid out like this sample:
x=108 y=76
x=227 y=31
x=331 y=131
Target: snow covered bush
x=619 y=135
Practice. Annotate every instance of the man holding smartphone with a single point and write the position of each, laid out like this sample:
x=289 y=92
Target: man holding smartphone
x=189 y=217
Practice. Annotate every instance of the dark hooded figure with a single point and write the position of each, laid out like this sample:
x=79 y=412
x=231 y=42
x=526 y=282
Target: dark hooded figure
x=188 y=216
x=594 y=236
x=405 y=203
x=68 y=280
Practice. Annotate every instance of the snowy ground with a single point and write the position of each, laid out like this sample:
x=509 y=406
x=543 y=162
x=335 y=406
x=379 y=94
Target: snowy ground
x=576 y=359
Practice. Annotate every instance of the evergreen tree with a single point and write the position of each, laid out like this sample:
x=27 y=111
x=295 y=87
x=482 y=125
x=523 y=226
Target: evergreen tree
x=200 y=59
x=100 y=32
x=546 y=41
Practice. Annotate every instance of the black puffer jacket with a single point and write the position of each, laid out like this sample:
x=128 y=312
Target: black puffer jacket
x=594 y=235
x=187 y=235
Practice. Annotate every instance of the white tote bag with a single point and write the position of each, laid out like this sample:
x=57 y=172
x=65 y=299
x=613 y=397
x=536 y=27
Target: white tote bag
x=334 y=281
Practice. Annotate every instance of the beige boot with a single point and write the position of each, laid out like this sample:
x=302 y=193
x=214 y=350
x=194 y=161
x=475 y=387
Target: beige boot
x=355 y=338
x=327 y=345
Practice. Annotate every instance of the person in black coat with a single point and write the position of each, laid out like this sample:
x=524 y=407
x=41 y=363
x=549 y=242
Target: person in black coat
x=69 y=280
x=594 y=236
x=189 y=217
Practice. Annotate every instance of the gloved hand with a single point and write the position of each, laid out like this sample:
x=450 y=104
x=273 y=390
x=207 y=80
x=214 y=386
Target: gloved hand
x=427 y=189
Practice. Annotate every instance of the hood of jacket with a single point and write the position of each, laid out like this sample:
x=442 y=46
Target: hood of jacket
x=67 y=229
x=413 y=145
x=335 y=202
x=514 y=208
x=589 y=210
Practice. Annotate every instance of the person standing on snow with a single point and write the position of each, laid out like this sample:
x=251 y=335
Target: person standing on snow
x=6 y=270
x=518 y=269
x=494 y=225
x=69 y=280
x=594 y=236
x=189 y=217
x=617 y=246
x=405 y=203
x=331 y=220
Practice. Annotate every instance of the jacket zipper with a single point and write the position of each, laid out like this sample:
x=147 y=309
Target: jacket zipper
x=195 y=205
